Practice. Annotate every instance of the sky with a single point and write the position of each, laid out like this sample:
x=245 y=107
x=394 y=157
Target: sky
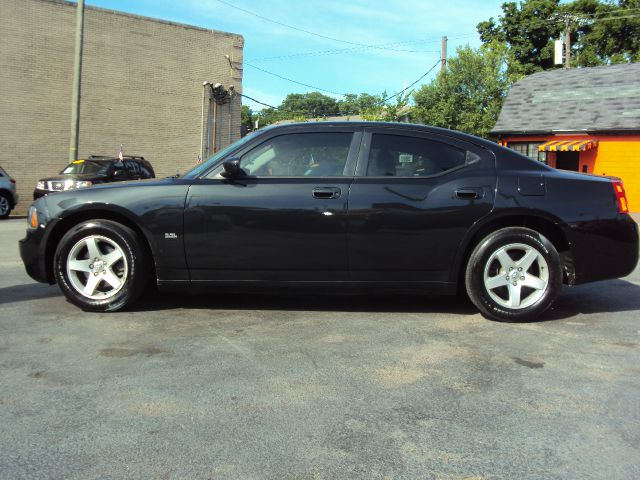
x=338 y=46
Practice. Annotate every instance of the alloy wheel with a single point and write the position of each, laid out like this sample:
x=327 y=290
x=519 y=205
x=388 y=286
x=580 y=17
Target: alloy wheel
x=97 y=267
x=516 y=276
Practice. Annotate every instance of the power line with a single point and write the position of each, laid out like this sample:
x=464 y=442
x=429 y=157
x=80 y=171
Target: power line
x=313 y=114
x=326 y=37
x=258 y=101
x=604 y=19
x=295 y=81
x=382 y=102
x=360 y=48
x=614 y=12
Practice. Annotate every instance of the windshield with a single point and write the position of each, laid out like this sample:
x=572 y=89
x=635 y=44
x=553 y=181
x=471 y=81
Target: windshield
x=86 y=167
x=199 y=169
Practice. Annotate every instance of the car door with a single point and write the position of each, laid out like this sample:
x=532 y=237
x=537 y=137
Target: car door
x=286 y=220
x=414 y=197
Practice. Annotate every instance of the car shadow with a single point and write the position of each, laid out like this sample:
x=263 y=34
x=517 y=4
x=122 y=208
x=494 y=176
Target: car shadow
x=602 y=297
x=296 y=301
x=26 y=292
x=608 y=296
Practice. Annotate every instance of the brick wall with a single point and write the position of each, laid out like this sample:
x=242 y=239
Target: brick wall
x=141 y=87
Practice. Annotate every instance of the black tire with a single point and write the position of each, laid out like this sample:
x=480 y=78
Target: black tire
x=5 y=205
x=529 y=288
x=115 y=274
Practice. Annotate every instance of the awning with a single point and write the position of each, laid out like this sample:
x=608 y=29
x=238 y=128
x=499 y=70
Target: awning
x=568 y=145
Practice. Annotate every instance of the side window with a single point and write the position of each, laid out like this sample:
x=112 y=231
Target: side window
x=405 y=156
x=119 y=170
x=145 y=171
x=132 y=168
x=300 y=154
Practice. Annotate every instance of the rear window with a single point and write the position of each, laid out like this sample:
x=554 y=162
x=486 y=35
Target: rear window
x=408 y=156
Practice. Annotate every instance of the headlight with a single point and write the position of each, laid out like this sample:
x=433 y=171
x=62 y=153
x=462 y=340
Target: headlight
x=40 y=185
x=83 y=184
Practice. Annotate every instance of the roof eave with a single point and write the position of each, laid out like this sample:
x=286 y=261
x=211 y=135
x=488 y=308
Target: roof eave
x=565 y=132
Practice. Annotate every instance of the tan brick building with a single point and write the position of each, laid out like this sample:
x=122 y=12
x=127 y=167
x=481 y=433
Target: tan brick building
x=141 y=87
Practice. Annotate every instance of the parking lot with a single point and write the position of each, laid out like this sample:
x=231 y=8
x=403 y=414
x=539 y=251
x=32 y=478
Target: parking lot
x=248 y=386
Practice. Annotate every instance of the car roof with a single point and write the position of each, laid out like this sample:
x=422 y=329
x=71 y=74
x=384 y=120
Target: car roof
x=394 y=125
x=111 y=158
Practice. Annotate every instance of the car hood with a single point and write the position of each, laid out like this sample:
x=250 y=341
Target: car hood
x=74 y=176
x=119 y=196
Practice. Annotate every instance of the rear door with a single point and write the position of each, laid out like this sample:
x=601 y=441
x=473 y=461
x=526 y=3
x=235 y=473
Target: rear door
x=286 y=220
x=414 y=197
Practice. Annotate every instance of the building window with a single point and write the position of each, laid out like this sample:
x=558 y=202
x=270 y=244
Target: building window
x=529 y=150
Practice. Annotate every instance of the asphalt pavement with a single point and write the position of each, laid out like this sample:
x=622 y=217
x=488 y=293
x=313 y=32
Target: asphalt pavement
x=249 y=386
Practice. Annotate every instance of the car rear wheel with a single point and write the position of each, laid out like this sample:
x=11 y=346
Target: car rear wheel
x=514 y=275
x=100 y=266
x=5 y=205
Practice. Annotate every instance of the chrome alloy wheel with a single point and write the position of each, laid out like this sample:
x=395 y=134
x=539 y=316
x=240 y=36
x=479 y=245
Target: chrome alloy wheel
x=97 y=267
x=516 y=276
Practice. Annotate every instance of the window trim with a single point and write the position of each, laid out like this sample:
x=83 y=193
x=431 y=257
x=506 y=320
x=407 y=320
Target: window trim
x=365 y=149
x=529 y=144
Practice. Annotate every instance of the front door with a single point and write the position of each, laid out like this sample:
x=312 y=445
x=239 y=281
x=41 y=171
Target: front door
x=286 y=220
x=414 y=198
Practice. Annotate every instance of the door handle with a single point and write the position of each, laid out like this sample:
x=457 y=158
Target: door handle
x=469 y=193
x=326 y=192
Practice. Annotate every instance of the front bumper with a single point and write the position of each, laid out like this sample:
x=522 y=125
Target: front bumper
x=34 y=255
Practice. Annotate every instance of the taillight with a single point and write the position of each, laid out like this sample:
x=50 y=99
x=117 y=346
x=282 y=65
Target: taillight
x=12 y=180
x=621 y=197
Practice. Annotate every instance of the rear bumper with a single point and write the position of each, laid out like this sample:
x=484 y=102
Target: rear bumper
x=604 y=249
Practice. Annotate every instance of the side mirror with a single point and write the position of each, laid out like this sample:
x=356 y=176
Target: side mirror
x=232 y=169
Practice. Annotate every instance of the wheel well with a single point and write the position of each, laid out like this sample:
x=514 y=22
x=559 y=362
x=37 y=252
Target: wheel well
x=541 y=225
x=69 y=222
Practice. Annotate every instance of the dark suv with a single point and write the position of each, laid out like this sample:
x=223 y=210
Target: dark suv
x=94 y=170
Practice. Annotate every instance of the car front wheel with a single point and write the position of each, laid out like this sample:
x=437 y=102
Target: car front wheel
x=514 y=275
x=100 y=266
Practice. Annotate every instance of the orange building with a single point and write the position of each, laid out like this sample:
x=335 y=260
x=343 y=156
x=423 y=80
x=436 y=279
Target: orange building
x=582 y=119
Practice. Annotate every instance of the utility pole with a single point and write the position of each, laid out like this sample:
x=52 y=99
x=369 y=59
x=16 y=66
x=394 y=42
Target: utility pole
x=77 y=77
x=205 y=84
x=567 y=42
x=443 y=57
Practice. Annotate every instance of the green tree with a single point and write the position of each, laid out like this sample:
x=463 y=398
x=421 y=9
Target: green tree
x=267 y=116
x=312 y=104
x=354 y=104
x=529 y=37
x=469 y=96
x=246 y=117
x=530 y=27
x=605 y=33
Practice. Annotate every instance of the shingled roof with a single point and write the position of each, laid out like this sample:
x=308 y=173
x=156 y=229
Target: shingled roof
x=574 y=100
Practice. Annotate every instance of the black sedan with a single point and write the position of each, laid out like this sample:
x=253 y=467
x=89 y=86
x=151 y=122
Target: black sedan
x=395 y=207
